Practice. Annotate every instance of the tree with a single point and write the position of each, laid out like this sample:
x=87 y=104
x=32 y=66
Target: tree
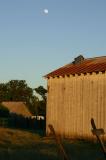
x=33 y=105
x=18 y=90
x=41 y=108
x=4 y=96
x=42 y=103
x=42 y=92
x=4 y=112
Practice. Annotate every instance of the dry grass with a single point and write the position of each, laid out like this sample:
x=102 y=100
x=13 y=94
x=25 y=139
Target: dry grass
x=19 y=144
x=24 y=145
x=14 y=138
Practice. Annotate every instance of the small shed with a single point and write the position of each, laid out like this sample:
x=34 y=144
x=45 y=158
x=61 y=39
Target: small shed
x=18 y=108
x=76 y=93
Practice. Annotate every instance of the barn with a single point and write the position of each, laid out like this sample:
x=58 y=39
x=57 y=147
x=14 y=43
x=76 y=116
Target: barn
x=76 y=93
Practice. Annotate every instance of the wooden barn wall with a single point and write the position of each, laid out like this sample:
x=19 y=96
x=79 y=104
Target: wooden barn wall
x=73 y=100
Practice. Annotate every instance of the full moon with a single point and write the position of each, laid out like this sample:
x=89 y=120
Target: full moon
x=45 y=11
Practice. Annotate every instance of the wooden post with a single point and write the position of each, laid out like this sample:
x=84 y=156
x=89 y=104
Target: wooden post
x=97 y=133
x=58 y=142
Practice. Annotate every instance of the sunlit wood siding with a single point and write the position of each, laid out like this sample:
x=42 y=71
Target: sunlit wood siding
x=73 y=100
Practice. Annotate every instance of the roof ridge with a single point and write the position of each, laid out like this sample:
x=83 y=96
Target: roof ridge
x=88 y=65
x=86 y=59
x=95 y=57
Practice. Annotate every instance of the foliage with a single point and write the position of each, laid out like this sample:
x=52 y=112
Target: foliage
x=18 y=90
x=41 y=109
x=4 y=112
x=15 y=90
x=33 y=104
x=42 y=92
x=3 y=92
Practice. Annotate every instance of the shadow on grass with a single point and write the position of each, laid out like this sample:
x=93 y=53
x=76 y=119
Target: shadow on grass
x=49 y=152
x=28 y=154
x=83 y=150
x=20 y=145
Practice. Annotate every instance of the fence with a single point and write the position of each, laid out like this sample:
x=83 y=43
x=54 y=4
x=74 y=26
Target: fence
x=22 y=122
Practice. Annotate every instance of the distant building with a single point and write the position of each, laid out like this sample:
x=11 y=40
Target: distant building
x=38 y=117
x=76 y=93
x=18 y=108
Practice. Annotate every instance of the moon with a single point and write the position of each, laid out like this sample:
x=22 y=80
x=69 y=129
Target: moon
x=45 y=11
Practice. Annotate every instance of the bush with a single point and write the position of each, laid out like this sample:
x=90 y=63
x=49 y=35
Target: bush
x=4 y=112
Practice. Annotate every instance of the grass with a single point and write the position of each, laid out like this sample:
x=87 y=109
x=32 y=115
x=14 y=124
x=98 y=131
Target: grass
x=23 y=145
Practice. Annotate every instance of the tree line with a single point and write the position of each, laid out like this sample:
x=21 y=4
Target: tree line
x=18 y=90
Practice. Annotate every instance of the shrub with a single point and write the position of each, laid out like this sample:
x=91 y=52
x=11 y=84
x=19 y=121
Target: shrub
x=4 y=112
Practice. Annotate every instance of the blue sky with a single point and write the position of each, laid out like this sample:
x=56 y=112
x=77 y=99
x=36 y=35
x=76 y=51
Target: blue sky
x=33 y=44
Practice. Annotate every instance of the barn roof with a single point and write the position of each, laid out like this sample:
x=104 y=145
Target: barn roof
x=18 y=108
x=81 y=65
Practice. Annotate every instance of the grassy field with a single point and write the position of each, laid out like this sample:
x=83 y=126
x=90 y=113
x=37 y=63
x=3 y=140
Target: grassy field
x=24 y=145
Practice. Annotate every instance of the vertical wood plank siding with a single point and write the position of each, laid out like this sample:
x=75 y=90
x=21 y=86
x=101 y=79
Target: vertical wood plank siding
x=73 y=100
